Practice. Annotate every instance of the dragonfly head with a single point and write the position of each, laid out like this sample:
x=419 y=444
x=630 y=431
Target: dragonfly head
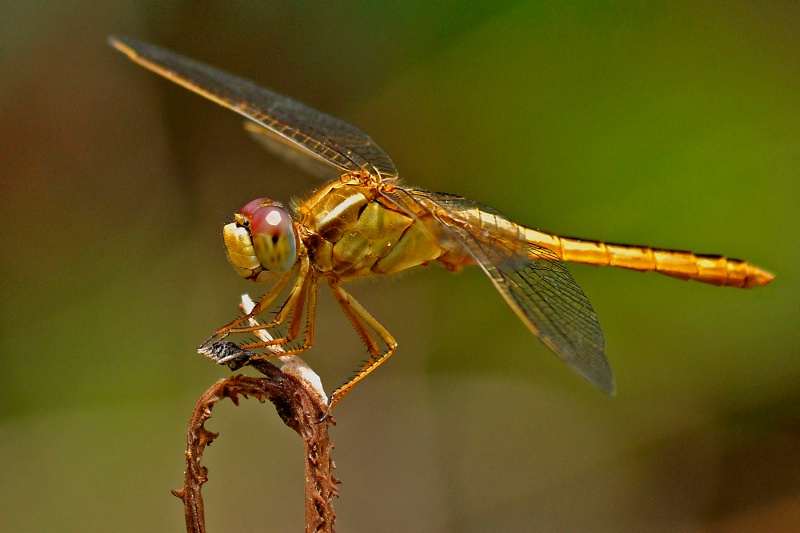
x=262 y=241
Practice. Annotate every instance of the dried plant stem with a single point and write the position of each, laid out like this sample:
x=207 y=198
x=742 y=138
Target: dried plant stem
x=299 y=406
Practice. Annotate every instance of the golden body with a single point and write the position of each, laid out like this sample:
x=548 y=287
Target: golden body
x=365 y=222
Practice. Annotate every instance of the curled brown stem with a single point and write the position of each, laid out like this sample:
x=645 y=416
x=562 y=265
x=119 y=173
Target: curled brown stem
x=300 y=407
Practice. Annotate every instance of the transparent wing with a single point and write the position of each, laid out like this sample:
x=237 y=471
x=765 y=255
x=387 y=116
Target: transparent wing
x=283 y=149
x=329 y=139
x=534 y=282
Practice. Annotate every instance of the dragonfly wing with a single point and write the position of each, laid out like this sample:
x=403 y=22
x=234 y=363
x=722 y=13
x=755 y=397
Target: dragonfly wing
x=283 y=149
x=534 y=282
x=551 y=303
x=329 y=139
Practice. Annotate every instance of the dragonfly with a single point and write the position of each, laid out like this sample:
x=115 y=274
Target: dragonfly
x=366 y=222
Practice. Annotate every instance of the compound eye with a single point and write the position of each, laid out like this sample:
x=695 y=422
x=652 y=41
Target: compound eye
x=273 y=237
x=250 y=207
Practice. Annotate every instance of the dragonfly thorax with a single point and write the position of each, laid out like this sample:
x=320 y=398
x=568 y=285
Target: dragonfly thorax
x=353 y=231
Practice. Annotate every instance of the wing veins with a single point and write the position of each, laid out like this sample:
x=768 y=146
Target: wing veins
x=329 y=139
x=532 y=280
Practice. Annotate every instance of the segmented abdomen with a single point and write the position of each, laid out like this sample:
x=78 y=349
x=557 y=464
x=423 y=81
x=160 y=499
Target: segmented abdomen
x=714 y=269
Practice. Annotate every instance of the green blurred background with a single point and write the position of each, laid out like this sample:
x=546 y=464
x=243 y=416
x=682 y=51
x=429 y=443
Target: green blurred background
x=670 y=124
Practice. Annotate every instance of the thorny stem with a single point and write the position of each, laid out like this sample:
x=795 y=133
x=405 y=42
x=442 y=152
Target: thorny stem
x=300 y=408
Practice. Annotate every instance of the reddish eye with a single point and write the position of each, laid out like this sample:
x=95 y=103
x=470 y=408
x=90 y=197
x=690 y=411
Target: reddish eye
x=250 y=207
x=271 y=220
x=273 y=238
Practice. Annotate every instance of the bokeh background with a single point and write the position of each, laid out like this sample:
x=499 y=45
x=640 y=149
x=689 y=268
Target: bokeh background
x=671 y=124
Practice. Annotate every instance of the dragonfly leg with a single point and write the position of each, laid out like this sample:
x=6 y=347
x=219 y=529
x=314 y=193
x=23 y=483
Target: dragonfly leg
x=269 y=298
x=307 y=300
x=262 y=304
x=362 y=321
x=305 y=286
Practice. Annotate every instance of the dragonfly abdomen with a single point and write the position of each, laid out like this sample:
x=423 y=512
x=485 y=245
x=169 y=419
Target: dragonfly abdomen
x=713 y=269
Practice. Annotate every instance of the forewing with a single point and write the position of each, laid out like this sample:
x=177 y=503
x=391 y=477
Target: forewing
x=329 y=139
x=534 y=282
